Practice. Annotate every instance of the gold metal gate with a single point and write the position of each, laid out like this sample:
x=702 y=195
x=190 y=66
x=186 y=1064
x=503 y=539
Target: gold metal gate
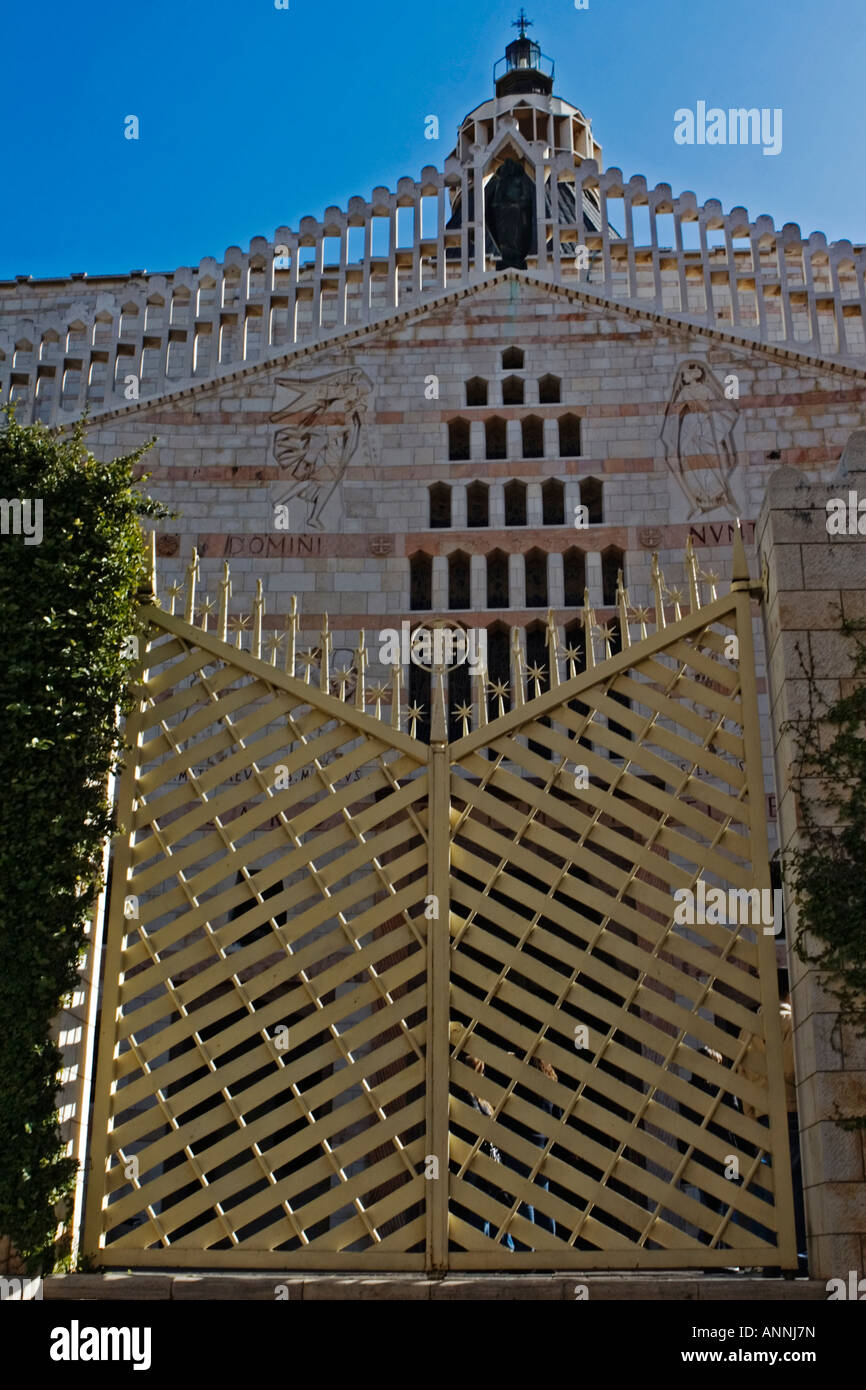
x=370 y=1003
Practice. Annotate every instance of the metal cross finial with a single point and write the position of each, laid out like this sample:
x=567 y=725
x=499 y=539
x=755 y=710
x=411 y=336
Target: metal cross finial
x=522 y=23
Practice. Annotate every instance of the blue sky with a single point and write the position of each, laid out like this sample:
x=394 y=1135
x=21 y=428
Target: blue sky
x=253 y=117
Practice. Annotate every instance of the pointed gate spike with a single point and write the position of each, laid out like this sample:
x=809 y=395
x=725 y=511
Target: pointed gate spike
x=292 y=628
x=361 y=667
x=258 y=611
x=740 y=571
x=225 y=595
x=325 y=659
x=192 y=573
x=517 y=676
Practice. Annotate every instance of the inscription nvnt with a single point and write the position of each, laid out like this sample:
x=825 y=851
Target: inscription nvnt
x=718 y=533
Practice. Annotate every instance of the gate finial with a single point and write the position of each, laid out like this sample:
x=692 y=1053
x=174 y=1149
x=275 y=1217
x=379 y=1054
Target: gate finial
x=292 y=630
x=360 y=667
x=658 y=586
x=192 y=573
x=438 y=715
x=325 y=659
x=552 y=649
x=396 y=693
x=692 y=571
x=225 y=595
x=740 y=571
x=588 y=625
x=517 y=676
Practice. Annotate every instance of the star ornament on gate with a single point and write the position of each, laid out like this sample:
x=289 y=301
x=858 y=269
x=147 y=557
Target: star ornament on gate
x=464 y=713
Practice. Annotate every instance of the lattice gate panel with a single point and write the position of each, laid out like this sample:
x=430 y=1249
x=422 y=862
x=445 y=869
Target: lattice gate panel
x=260 y=1098
x=611 y=1066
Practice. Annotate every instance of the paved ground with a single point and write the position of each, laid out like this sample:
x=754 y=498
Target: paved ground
x=268 y=1287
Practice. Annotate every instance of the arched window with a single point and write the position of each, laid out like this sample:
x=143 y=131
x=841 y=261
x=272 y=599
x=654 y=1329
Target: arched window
x=495 y=438
x=497 y=580
x=440 y=505
x=512 y=391
x=458 y=580
x=569 y=436
x=476 y=391
x=553 y=503
x=574 y=576
x=458 y=439
x=590 y=497
x=477 y=505
x=512 y=359
x=549 y=390
x=420 y=581
x=612 y=561
x=515 y=503
x=536 y=579
x=532 y=431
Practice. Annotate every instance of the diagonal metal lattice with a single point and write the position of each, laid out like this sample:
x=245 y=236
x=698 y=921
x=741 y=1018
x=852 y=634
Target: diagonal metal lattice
x=369 y=1003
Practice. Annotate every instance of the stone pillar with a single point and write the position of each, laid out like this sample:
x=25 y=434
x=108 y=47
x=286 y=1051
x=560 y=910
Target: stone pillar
x=534 y=506
x=814 y=579
x=593 y=578
x=551 y=442
x=440 y=583
x=572 y=499
x=497 y=507
x=517 y=581
x=477 y=582
x=458 y=507
x=555 y=580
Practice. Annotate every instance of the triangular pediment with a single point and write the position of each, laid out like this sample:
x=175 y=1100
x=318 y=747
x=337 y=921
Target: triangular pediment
x=400 y=323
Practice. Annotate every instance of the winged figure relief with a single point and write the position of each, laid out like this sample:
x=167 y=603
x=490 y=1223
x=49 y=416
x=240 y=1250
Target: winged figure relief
x=320 y=431
x=698 y=437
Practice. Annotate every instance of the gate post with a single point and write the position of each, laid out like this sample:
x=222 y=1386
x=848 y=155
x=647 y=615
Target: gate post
x=438 y=969
x=814 y=581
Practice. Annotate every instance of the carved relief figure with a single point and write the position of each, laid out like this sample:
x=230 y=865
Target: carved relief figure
x=698 y=437
x=509 y=206
x=321 y=429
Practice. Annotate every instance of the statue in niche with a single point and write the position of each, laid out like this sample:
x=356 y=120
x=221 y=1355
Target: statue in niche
x=698 y=437
x=509 y=207
x=321 y=429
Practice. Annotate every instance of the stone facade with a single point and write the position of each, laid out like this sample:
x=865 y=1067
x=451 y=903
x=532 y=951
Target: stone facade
x=367 y=414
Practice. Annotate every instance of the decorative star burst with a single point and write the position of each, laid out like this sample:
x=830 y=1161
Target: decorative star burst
x=415 y=712
x=275 y=641
x=498 y=689
x=462 y=711
x=342 y=678
x=308 y=657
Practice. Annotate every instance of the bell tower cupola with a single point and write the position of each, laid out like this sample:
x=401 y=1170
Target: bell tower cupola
x=524 y=68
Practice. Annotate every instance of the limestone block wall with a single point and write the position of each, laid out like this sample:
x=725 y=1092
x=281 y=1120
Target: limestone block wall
x=813 y=580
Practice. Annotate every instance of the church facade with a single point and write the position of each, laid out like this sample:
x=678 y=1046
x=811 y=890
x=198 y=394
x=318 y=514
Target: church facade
x=483 y=393
x=511 y=393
